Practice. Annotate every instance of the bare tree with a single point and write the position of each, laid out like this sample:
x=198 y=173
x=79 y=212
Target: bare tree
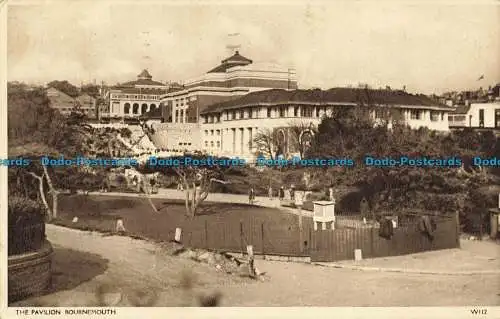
x=266 y=143
x=197 y=182
x=301 y=134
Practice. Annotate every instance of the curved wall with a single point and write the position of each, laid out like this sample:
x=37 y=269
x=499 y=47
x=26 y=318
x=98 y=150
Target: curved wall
x=30 y=274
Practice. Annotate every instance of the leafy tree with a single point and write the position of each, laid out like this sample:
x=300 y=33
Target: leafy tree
x=65 y=87
x=90 y=89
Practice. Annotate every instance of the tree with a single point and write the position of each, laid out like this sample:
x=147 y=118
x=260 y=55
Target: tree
x=90 y=89
x=65 y=87
x=197 y=182
x=301 y=135
x=266 y=143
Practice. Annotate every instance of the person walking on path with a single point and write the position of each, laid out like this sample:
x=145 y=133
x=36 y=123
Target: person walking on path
x=251 y=195
x=270 y=192
x=292 y=192
x=281 y=194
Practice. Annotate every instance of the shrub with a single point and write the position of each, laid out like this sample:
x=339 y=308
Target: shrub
x=21 y=208
x=26 y=231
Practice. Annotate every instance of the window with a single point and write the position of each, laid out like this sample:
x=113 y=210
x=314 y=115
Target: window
x=206 y=143
x=242 y=114
x=218 y=144
x=317 y=112
x=481 y=118
x=306 y=112
x=435 y=116
x=380 y=114
x=283 y=111
x=218 y=132
x=269 y=112
x=296 y=111
x=233 y=115
x=442 y=116
x=212 y=144
x=415 y=114
x=218 y=118
x=212 y=132
x=250 y=115
x=206 y=132
x=205 y=119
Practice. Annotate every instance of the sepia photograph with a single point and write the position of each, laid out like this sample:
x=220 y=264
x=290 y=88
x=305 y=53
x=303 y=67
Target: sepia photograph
x=250 y=154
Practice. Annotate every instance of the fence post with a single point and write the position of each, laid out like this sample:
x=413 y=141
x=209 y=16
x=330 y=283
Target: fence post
x=372 y=242
x=262 y=237
x=251 y=266
x=206 y=234
x=178 y=233
x=457 y=222
x=241 y=236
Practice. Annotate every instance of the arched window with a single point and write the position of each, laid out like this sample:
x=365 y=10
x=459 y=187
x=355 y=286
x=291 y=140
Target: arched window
x=144 y=108
x=152 y=107
x=126 y=108
x=135 y=108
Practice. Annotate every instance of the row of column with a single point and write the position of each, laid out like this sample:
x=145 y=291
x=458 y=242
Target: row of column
x=238 y=140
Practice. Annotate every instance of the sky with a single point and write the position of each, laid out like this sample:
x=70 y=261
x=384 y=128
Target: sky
x=429 y=47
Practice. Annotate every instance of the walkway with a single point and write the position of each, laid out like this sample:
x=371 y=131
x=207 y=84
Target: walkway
x=474 y=257
x=167 y=193
x=137 y=266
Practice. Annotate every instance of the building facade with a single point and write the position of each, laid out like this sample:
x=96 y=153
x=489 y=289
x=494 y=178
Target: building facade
x=229 y=128
x=60 y=101
x=233 y=78
x=135 y=98
x=476 y=115
x=87 y=105
x=66 y=104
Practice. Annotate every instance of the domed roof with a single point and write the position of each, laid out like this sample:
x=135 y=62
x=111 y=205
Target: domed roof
x=235 y=60
x=145 y=75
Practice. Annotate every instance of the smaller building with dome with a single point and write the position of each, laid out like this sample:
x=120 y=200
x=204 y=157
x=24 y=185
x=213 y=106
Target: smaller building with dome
x=134 y=98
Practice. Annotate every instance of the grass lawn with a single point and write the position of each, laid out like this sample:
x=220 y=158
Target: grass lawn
x=224 y=226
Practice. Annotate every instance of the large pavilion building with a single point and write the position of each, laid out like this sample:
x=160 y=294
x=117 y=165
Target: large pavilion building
x=229 y=128
x=233 y=78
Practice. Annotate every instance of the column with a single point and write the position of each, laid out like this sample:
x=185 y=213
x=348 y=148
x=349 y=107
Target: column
x=221 y=138
x=233 y=133
x=250 y=140
x=242 y=141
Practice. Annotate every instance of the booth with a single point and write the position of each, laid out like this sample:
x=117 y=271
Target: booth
x=324 y=212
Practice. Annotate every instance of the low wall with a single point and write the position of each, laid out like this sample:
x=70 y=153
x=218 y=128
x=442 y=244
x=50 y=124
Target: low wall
x=30 y=274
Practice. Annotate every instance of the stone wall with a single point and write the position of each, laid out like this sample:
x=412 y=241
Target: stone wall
x=30 y=274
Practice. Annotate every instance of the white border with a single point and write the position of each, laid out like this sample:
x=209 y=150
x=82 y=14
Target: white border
x=277 y=312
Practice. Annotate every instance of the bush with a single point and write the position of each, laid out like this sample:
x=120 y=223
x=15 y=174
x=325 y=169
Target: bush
x=21 y=208
x=26 y=231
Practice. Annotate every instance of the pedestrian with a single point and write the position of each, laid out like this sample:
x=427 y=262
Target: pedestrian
x=251 y=195
x=281 y=193
x=292 y=192
x=330 y=194
x=270 y=192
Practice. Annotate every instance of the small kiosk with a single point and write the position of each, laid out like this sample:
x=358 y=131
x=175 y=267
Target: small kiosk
x=324 y=212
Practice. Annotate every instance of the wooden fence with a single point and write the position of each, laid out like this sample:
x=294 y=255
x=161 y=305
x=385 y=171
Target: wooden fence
x=339 y=244
x=321 y=245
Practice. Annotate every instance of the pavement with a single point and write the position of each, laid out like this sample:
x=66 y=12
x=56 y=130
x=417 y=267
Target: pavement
x=473 y=258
